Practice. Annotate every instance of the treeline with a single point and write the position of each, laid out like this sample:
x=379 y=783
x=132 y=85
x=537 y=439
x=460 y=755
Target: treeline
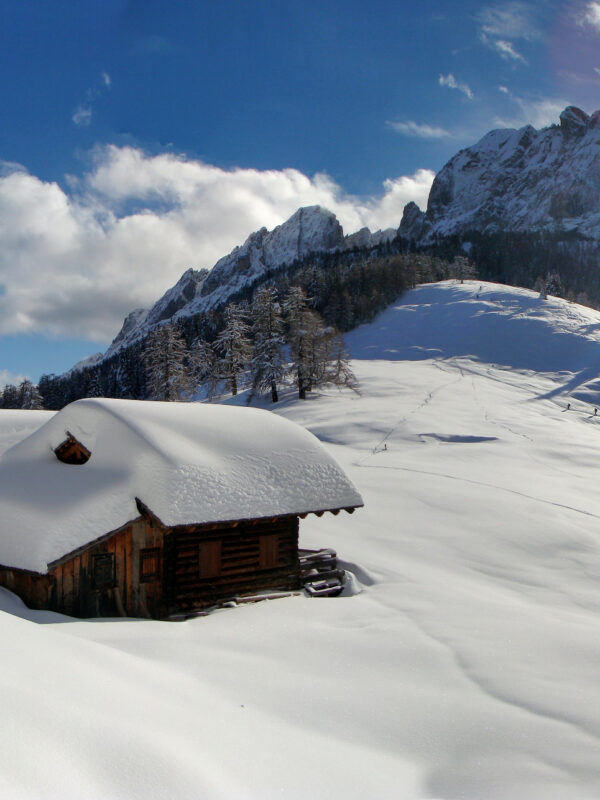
x=527 y=259
x=344 y=289
x=264 y=345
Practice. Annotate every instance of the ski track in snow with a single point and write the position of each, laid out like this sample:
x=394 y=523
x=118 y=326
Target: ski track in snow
x=430 y=396
x=473 y=482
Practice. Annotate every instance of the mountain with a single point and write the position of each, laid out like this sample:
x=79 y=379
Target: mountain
x=521 y=181
x=309 y=230
x=518 y=180
x=521 y=203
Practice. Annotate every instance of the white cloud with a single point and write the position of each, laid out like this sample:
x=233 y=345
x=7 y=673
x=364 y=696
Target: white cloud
x=82 y=116
x=507 y=51
x=503 y=89
x=509 y=21
x=76 y=263
x=501 y=23
x=597 y=70
x=590 y=16
x=10 y=377
x=450 y=81
x=539 y=112
x=420 y=130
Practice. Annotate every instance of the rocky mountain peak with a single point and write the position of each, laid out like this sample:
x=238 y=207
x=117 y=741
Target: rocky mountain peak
x=311 y=229
x=518 y=180
x=413 y=222
x=574 y=121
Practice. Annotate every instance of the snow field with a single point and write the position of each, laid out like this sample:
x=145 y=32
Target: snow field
x=467 y=667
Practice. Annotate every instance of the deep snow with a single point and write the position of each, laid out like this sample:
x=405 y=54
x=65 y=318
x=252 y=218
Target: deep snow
x=187 y=462
x=468 y=665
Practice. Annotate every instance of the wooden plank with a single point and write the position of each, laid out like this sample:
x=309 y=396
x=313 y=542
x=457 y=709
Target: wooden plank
x=269 y=550
x=128 y=598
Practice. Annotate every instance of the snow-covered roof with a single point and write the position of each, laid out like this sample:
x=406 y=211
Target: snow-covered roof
x=16 y=424
x=187 y=462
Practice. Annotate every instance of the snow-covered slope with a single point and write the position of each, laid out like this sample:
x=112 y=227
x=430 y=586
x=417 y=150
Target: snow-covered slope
x=468 y=665
x=518 y=180
x=312 y=229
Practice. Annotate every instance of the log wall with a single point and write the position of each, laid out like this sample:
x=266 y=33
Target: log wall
x=146 y=570
x=252 y=556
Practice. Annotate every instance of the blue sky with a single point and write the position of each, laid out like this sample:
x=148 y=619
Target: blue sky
x=141 y=138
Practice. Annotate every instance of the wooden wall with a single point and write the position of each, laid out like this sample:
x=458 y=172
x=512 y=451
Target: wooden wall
x=145 y=570
x=204 y=564
x=79 y=593
x=35 y=590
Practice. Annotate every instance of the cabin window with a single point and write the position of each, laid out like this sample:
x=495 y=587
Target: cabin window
x=104 y=570
x=268 y=551
x=149 y=564
x=209 y=559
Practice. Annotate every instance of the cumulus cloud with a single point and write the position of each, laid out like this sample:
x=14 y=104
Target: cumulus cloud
x=419 y=130
x=76 y=262
x=450 y=81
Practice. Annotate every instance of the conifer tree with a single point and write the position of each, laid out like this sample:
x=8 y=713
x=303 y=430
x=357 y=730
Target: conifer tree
x=233 y=344
x=317 y=351
x=205 y=363
x=339 y=372
x=10 y=396
x=29 y=396
x=462 y=269
x=94 y=388
x=165 y=360
x=267 y=364
x=299 y=322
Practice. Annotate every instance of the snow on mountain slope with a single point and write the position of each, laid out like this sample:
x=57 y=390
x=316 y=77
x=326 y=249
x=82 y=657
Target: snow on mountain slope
x=467 y=667
x=312 y=229
x=519 y=180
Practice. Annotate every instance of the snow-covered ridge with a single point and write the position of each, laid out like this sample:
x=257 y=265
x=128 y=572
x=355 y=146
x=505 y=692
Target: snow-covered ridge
x=518 y=180
x=312 y=229
x=490 y=323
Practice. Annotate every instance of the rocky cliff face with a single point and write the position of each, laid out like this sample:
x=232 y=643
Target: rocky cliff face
x=518 y=180
x=310 y=230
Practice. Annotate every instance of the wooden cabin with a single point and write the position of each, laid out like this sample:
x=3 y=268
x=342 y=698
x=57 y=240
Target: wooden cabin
x=147 y=509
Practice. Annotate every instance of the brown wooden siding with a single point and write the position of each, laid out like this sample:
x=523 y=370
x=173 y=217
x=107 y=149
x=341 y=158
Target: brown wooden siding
x=185 y=568
x=77 y=578
x=242 y=570
x=35 y=590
